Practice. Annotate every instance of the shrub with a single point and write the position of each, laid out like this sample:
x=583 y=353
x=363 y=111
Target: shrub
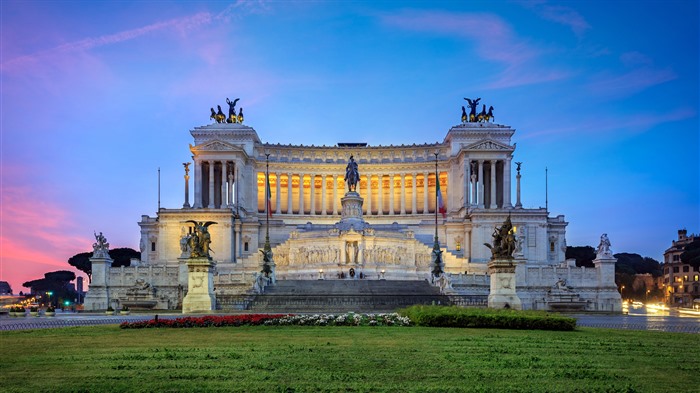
x=110 y=308
x=125 y=308
x=441 y=316
x=50 y=309
x=34 y=309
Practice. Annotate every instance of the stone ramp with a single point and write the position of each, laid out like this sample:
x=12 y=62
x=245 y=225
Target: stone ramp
x=332 y=296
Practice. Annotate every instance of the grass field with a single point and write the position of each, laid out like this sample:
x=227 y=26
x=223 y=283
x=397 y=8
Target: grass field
x=347 y=359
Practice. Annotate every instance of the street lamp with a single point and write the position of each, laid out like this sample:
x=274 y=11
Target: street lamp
x=437 y=268
x=622 y=291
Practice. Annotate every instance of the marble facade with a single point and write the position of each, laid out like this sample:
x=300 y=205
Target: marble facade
x=393 y=237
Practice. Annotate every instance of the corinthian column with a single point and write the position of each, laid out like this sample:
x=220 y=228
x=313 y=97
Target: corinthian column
x=186 y=205
x=493 y=185
x=301 y=194
x=312 y=197
x=403 y=193
x=426 y=210
x=380 y=196
x=198 y=184
x=289 y=194
x=223 y=184
x=481 y=184
x=278 y=190
x=211 y=185
x=391 y=194
x=323 y=195
x=506 y=184
x=368 y=202
x=413 y=195
x=467 y=175
x=335 y=194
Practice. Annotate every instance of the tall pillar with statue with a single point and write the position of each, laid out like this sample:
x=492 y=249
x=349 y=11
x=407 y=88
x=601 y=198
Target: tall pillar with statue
x=97 y=297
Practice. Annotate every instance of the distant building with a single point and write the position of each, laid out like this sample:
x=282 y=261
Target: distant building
x=5 y=288
x=681 y=281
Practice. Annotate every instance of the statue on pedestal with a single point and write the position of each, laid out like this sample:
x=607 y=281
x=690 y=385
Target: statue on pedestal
x=352 y=175
x=100 y=247
x=198 y=241
x=504 y=242
x=603 y=250
x=472 y=107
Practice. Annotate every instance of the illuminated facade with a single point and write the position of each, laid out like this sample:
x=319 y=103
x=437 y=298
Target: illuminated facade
x=681 y=281
x=394 y=237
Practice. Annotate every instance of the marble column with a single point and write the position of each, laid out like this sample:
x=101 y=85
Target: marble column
x=403 y=193
x=289 y=194
x=198 y=184
x=229 y=203
x=323 y=195
x=278 y=193
x=518 y=205
x=413 y=196
x=380 y=196
x=493 y=205
x=506 y=183
x=467 y=176
x=312 y=197
x=224 y=170
x=368 y=201
x=335 y=194
x=426 y=210
x=301 y=194
x=211 y=185
x=186 y=205
x=481 y=184
x=391 y=194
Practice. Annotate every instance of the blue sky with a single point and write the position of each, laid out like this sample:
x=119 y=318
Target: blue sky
x=96 y=96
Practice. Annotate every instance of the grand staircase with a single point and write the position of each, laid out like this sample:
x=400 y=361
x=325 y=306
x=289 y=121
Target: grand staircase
x=332 y=296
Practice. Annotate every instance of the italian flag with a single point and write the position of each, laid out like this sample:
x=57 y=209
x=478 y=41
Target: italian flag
x=441 y=203
x=268 y=197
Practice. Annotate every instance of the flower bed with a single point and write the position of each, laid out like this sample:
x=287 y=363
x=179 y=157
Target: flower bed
x=349 y=319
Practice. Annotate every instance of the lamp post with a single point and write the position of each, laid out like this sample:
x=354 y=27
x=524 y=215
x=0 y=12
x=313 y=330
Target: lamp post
x=622 y=292
x=437 y=267
x=267 y=250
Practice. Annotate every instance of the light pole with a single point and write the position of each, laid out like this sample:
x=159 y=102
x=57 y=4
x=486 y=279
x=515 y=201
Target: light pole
x=622 y=292
x=437 y=268
x=267 y=250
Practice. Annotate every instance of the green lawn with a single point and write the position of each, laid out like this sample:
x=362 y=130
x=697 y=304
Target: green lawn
x=342 y=359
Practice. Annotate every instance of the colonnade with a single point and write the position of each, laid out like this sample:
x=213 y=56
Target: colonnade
x=383 y=194
x=215 y=190
x=487 y=183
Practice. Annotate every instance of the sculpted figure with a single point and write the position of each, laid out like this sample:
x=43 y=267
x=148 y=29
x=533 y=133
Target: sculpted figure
x=198 y=241
x=352 y=175
x=472 y=107
x=232 y=110
x=503 y=241
x=604 y=246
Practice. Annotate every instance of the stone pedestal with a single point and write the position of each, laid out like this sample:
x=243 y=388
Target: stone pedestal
x=352 y=206
x=608 y=297
x=200 y=286
x=502 y=293
x=97 y=297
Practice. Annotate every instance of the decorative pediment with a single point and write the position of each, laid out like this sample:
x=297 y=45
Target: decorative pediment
x=215 y=145
x=489 y=145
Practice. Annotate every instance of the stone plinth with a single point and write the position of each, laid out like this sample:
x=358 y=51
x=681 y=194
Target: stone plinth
x=200 y=286
x=502 y=292
x=608 y=298
x=97 y=297
x=352 y=206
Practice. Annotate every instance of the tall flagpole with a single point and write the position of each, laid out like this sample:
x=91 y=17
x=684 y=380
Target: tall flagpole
x=159 y=189
x=546 y=190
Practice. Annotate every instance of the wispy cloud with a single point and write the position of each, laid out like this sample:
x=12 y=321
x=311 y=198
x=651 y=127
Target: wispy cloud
x=493 y=38
x=636 y=123
x=566 y=16
x=626 y=84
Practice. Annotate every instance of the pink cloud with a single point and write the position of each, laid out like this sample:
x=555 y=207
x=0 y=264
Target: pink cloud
x=560 y=14
x=36 y=236
x=181 y=25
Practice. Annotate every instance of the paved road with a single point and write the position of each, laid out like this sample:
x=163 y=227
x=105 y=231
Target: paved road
x=636 y=320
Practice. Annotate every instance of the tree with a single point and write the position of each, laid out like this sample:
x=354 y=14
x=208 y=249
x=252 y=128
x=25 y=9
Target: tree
x=635 y=264
x=120 y=257
x=82 y=262
x=691 y=253
x=584 y=255
x=57 y=282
